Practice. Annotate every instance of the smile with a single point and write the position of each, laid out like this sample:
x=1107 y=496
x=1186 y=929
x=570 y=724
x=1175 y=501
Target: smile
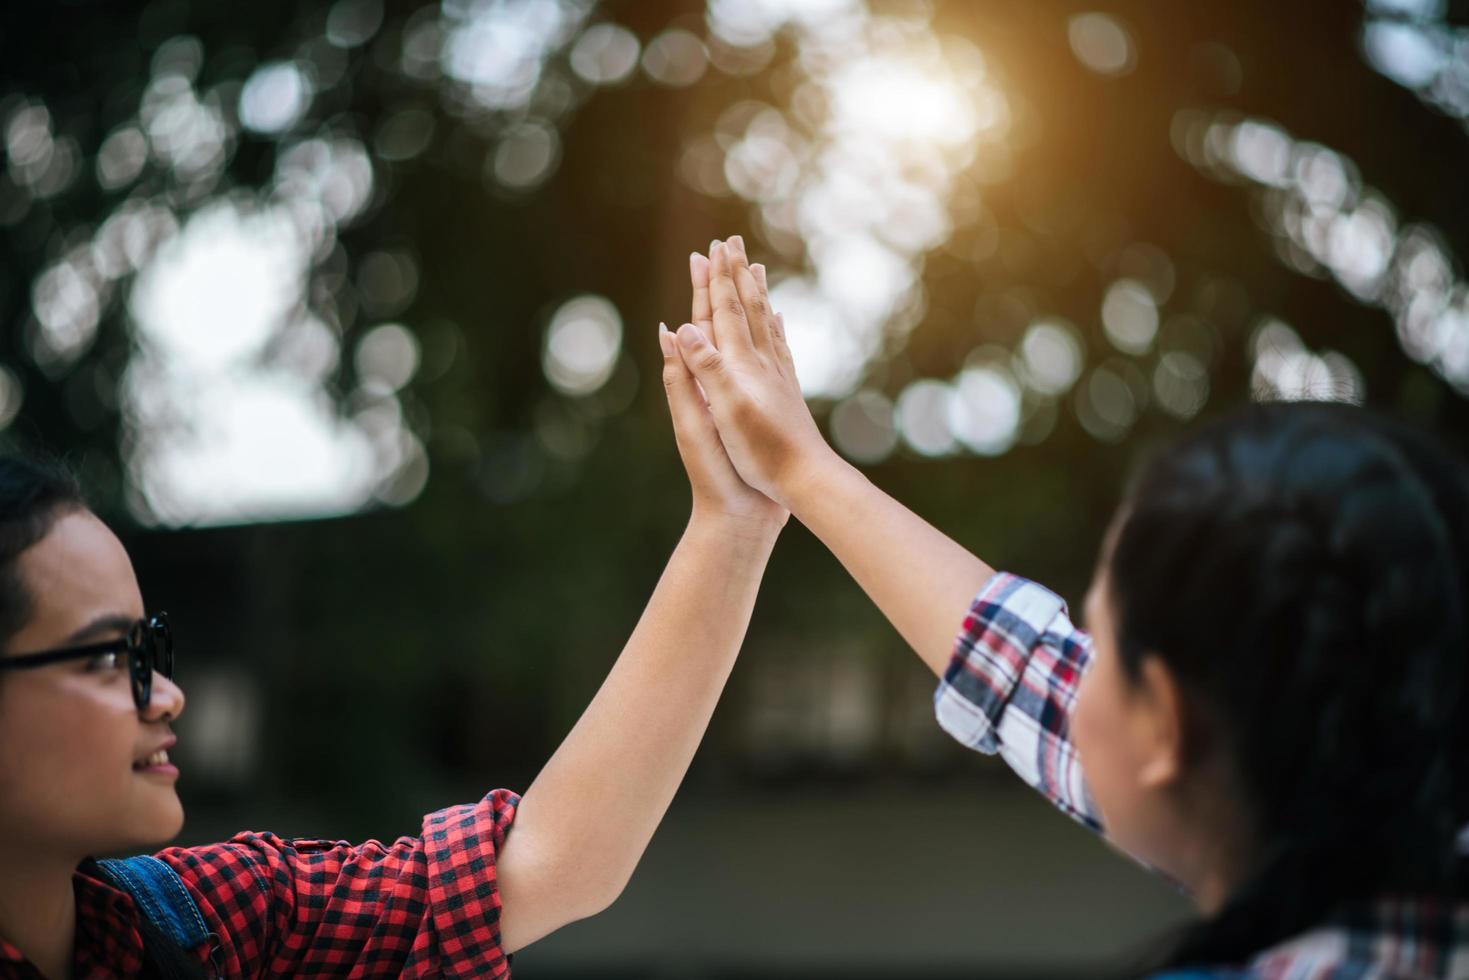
x=159 y=758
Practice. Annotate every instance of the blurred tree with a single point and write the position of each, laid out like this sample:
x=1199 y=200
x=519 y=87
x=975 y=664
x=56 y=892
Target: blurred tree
x=404 y=261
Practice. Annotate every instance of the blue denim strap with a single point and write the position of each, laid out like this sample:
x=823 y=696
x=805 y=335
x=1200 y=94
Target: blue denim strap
x=161 y=896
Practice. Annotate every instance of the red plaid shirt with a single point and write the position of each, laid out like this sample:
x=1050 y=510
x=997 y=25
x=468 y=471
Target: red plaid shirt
x=419 y=907
x=1010 y=688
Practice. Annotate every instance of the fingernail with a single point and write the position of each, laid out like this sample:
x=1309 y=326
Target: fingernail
x=689 y=335
x=738 y=245
x=712 y=246
x=665 y=340
x=758 y=270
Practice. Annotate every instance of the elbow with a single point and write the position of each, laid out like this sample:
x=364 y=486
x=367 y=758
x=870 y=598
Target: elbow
x=540 y=895
x=591 y=890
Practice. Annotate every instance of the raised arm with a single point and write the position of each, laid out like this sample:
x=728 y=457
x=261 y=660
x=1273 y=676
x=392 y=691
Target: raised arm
x=1007 y=654
x=586 y=819
x=920 y=579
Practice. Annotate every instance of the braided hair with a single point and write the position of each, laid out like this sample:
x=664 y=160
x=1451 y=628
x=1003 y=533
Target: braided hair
x=1301 y=569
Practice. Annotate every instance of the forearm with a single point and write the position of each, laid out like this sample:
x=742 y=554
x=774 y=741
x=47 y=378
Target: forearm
x=587 y=818
x=920 y=579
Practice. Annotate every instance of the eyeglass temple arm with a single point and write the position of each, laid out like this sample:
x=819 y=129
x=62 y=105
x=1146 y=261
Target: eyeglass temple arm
x=26 y=660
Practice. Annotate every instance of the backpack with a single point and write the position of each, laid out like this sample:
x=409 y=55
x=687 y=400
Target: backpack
x=170 y=922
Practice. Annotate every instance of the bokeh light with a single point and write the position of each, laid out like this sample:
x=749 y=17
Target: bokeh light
x=863 y=427
x=1050 y=357
x=583 y=340
x=526 y=157
x=881 y=144
x=219 y=432
x=675 y=57
x=605 y=54
x=1413 y=43
x=388 y=353
x=1327 y=221
x=1101 y=43
x=984 y=412
x=1285 y=370
x=351 y=23
x=924 y=417
x=852 y=181
x=1130 y=316
x=1180 y=384
x=275 y=97
x=1107 y=400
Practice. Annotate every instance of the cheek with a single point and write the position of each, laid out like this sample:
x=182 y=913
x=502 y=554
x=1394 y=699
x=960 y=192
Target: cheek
x=65 y=763
x=1097 y=734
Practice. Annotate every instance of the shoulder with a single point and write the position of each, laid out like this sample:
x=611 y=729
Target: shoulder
x=1400 y=938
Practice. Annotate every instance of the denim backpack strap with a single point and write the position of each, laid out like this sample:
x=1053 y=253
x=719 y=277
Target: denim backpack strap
x=161 y=896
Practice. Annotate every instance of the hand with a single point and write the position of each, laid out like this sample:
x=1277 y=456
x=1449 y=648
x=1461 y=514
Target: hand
x=739 y=355
x=718 y=490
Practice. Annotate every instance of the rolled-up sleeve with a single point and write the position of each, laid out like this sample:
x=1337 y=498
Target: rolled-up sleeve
x=1011 y=685
x=423 y=906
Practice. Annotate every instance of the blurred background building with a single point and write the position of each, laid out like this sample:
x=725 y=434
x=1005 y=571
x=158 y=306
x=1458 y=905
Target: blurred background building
x=345 y=310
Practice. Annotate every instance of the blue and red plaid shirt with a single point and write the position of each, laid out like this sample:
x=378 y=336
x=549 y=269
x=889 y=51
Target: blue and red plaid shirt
x=420 y=907
x=1010 y=688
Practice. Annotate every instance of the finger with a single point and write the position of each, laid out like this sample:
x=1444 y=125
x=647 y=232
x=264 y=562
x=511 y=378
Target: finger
x=752 y=296
x=782 y=347
x=705 y=361
x=702 y=315
x=685 y=402
x=694 y=430
x=777 y=321
x=731 y=332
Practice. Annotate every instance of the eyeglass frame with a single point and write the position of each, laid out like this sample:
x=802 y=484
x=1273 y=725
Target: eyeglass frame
x=141 y=662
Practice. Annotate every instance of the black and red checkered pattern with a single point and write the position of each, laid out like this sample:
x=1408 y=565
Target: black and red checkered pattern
x=422 y=906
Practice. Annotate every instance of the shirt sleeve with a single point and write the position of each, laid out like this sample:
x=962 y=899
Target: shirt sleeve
x=1011 y=684
x=419 y=907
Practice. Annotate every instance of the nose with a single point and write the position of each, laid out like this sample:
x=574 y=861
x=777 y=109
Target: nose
x=167 y=700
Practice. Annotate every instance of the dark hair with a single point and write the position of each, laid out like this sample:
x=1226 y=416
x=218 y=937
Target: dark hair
x=33 y=493
x=1301 y=569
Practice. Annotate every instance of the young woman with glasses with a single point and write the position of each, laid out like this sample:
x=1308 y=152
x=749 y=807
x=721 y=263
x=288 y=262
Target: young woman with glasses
x=87 y=701
x=1268 y=702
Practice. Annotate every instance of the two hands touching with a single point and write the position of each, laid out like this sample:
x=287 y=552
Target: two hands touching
x=753 y=452
x=743 y=429
x=754 y=457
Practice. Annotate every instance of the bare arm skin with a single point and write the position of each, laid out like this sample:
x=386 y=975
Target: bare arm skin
x=585 y=821
x=919 y=578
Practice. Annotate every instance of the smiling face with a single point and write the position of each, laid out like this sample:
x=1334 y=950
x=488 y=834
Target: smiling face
x=70 y=733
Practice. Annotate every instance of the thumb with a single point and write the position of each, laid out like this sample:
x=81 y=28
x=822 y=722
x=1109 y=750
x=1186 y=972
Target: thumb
x=702 y=357
x=685 y=401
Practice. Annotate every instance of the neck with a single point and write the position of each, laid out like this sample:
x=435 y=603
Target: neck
x=1225 y=851
x=38 y=910
x=1212 y=886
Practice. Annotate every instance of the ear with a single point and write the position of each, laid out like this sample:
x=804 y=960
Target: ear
x=1160 y=724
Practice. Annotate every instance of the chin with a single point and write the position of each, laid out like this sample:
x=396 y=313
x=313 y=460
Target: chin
x=172 y=824
x=157 y=827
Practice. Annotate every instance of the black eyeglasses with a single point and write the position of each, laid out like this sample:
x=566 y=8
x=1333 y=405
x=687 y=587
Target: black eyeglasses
x=148 y=645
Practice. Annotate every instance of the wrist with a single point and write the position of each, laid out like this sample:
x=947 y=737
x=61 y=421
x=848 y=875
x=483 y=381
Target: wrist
x=810 y=477
x=749 y=532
